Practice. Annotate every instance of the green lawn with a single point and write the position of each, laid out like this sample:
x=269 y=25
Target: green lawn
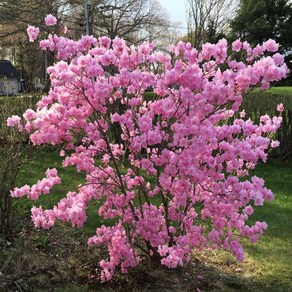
x=283 y=90
x=267 y=262
x=34 y=169
x=273 y=254
x=267 y=265
x=269 y=98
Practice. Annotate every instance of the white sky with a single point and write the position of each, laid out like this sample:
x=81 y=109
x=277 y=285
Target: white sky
x=176 y=10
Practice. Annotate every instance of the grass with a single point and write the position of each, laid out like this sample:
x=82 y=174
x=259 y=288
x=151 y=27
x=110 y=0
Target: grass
x=267 y=101
x=276 y=90
x=282 y=90
x=34 y=169
x=273 y=251
x=267 y=262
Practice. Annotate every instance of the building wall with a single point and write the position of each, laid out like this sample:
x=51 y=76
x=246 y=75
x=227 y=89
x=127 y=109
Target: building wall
x=9 y=87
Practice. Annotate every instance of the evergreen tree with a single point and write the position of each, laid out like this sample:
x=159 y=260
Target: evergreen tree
x=258 y=21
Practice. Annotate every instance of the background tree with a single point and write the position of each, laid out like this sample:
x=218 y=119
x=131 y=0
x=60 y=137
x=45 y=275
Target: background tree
x=134 y=20
x=15 y=15
x=258 y=21
x=208 y=20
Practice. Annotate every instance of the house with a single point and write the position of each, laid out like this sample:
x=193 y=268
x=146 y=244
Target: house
x=9 y=78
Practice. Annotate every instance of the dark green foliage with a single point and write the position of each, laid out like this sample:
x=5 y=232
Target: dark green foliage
x=257 y=21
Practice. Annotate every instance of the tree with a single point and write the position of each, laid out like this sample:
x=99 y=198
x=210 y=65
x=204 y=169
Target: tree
x=208 y=20
x=258 y=21
x=13 y=37
x=180 y=177
x=133 y=20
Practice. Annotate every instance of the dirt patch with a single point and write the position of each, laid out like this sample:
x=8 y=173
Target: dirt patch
x=59 y=260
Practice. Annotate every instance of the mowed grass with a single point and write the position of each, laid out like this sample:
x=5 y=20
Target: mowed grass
x=34 y=169
x=268 y=262
x=282 y=90
x=273 y=253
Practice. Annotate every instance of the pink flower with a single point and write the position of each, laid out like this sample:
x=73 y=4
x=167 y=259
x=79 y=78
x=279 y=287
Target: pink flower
x=13 y=121
x=270 y=46
x=280 y=107
x=50 y=20
x=278 y=59
x=29 y=114
x=275 y=144
x=242 y=114
x=104 y=41
x=236 y=45
x=32 y=32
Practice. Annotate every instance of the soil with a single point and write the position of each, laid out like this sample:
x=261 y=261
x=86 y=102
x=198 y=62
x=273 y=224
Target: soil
x=59 y=260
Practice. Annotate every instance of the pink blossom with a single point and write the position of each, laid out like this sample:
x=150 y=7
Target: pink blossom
x=29 y=114
x=278 y=58
x=270 y=46
x=236 y=45
x=32 y=32
x=280 y=107
x=41 y=187
x=50 y=20
x=14 y=120
x=275 y=143
x=242 y=114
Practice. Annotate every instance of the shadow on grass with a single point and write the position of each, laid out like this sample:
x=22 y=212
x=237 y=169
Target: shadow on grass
x=59 y=260
x=196 y=276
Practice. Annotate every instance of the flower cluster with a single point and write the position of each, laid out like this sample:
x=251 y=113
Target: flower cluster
x=32 y=32
x=50 y=20
x=41 y=187
x=171 y=171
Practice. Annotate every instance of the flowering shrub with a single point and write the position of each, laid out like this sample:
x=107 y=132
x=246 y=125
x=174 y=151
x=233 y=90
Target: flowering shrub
x=178 y=176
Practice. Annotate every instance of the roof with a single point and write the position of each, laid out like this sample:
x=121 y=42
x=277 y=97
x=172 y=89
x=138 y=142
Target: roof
x=8 y=70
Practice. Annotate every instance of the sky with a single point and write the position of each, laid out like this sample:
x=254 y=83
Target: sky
x=176 y=10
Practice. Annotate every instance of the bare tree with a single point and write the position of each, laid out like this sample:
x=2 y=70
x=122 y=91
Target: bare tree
x=15 y=16
x=164 y=36
x=208 y=20
x=133 y=20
